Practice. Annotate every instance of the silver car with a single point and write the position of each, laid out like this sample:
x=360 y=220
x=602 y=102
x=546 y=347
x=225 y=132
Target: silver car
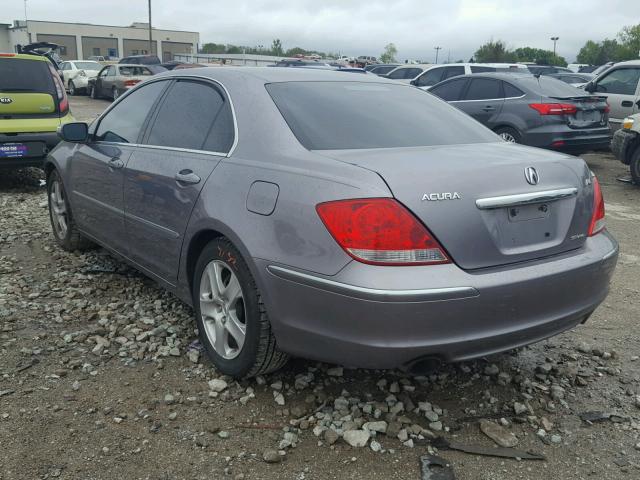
x=297 y=222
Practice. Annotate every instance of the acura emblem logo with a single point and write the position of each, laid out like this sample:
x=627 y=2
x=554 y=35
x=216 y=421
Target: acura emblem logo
x=5 y=100
x=531 y=175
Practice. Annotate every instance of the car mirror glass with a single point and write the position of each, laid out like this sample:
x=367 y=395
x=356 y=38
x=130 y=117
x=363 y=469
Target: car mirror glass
x=77 y=132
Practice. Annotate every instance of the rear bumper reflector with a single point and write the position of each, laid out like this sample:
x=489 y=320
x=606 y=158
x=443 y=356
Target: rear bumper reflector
x=525 y=198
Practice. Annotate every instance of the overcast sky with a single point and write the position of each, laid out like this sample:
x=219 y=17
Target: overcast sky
x=360 y=27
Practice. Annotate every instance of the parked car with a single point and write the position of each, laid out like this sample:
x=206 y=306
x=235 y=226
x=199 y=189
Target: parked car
x=366 y=60
x=33 y=104
x=182 y=66
x=537 y=111
x=381 y=69
x=407 y=72
x=299 y=62
x=76 y=74
x=140 y=60
x=113 y=80
x=575 y=67
x=103 y=58
x=574 y=79
x=601 y=69
x=547 y=69
x=297 y=222
x=626 y=145
x=437 y=73
x=620 y=83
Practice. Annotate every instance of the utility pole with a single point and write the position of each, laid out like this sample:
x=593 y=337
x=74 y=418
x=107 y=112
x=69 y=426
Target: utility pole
x=150 y=38
x=26 y=22
x=554 y=39
x=437 y=49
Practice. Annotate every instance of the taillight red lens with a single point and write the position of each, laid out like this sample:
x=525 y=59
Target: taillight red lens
x=597 y=217
x=63 y=101
x=130 y=83
x=380 y=231
x=607 y=109
x=554 y=108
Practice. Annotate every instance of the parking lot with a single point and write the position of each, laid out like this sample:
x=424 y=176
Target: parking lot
x=102 y=377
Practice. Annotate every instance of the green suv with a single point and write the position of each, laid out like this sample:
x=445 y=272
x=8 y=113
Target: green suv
x=33 y=104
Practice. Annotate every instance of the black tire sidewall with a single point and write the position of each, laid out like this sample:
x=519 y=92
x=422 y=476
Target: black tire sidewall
x=72 y=86
x=634 y=165
x=221 y=249
x=92 y=93
x=63 y=242
x=114 y=93
x=512 y=131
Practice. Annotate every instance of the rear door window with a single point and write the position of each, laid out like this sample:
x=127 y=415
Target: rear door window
x=404 y=73
x=511 y=91
x=484 y=89
x=124 y=122
x=450 y=91
x=195 y=116
x=20 y=75
x=481 y=69
x=453 y=72
x=623 y=81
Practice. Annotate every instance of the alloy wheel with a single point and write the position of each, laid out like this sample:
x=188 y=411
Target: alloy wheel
x=72 y=89
x=507 y=137
x=58 y=209
x=222 y=309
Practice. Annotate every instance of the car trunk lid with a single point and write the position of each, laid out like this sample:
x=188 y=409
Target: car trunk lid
x=590 y=111
x=476 y=200
x=23 y=103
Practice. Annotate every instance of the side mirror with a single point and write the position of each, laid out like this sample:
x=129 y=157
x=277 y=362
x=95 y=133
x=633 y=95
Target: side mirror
x=414 y=83
x=590 y=87
x=77 y=132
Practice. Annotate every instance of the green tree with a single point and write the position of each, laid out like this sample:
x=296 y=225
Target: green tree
x=292 y=52
x=213 y=48
x=389 y=54
x=539 y=56
x=494 y=52
x=630 y=42
x=276 y=48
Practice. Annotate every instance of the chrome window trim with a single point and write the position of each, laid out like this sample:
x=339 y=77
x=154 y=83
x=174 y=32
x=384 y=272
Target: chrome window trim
x=374 y=294
x=177 y=149
x=490 y=99
x=525 y=198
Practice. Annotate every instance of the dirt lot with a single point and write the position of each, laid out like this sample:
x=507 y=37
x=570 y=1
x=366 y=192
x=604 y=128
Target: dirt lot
x=100 y=379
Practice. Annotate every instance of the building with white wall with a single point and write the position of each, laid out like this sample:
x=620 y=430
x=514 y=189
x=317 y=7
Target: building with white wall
x=83 y=40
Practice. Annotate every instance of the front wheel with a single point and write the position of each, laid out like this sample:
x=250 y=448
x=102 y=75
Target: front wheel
x=232 y=321
x=634 y=165
x=509 y=134
x=72 y=88
x=115 y=93
x=63 y=225
x=92 y=92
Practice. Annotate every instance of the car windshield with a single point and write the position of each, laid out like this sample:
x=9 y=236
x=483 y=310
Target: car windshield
x=21 y=75
x=88 y=65
x=358 y=115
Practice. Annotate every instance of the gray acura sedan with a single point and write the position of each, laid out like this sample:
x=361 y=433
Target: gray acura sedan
x=350 y=220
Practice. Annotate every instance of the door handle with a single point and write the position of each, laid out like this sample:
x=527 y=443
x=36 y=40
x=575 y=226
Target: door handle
x=627 y=103
x=187 y=176
x=489 y=108
x=116 y=163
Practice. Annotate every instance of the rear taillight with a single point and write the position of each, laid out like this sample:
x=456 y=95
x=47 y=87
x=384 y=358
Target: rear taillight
x=7 y=54
x=380 y=231
x=130 y=83
x=597 y=217
x=63 y=101
x=554 y=108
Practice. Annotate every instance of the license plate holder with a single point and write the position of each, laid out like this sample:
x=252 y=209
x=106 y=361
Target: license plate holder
x=524 y=213
x=21 y=150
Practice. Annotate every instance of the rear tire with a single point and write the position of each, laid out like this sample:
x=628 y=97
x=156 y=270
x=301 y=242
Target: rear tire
x=509 y=134
x=63 y=225
x=92 y=92
x=232 y=321
x=115 y=93
x=634 y=165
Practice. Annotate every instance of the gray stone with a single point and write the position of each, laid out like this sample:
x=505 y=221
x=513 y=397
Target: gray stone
x=217 y=385
x=271 y=456
x=498 y=434
x=356 y=438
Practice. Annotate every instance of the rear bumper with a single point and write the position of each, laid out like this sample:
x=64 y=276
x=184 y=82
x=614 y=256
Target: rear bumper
x=386 y=317
x=566 y=139
x=620 y=144
x=49 y=139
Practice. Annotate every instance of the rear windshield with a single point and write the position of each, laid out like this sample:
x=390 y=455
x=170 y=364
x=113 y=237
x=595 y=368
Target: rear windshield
x=88 y=66
x=551 y=87
x=20 y=75
x=358 y=115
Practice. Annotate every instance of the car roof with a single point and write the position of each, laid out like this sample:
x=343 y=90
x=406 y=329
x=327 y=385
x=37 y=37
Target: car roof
x=24 y=56
x=628 y=62
x=497 y=75
x=266 y=75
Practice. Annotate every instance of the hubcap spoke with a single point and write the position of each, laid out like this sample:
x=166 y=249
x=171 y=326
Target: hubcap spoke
x=236 y=329
x=220 y=341
x=232 y=292
x=58 y=209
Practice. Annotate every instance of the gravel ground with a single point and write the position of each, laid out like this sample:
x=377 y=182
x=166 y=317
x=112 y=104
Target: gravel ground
x=101 y=377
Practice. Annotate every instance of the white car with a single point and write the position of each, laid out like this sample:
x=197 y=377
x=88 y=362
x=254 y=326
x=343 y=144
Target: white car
x=77 y=73
x=437 y=73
